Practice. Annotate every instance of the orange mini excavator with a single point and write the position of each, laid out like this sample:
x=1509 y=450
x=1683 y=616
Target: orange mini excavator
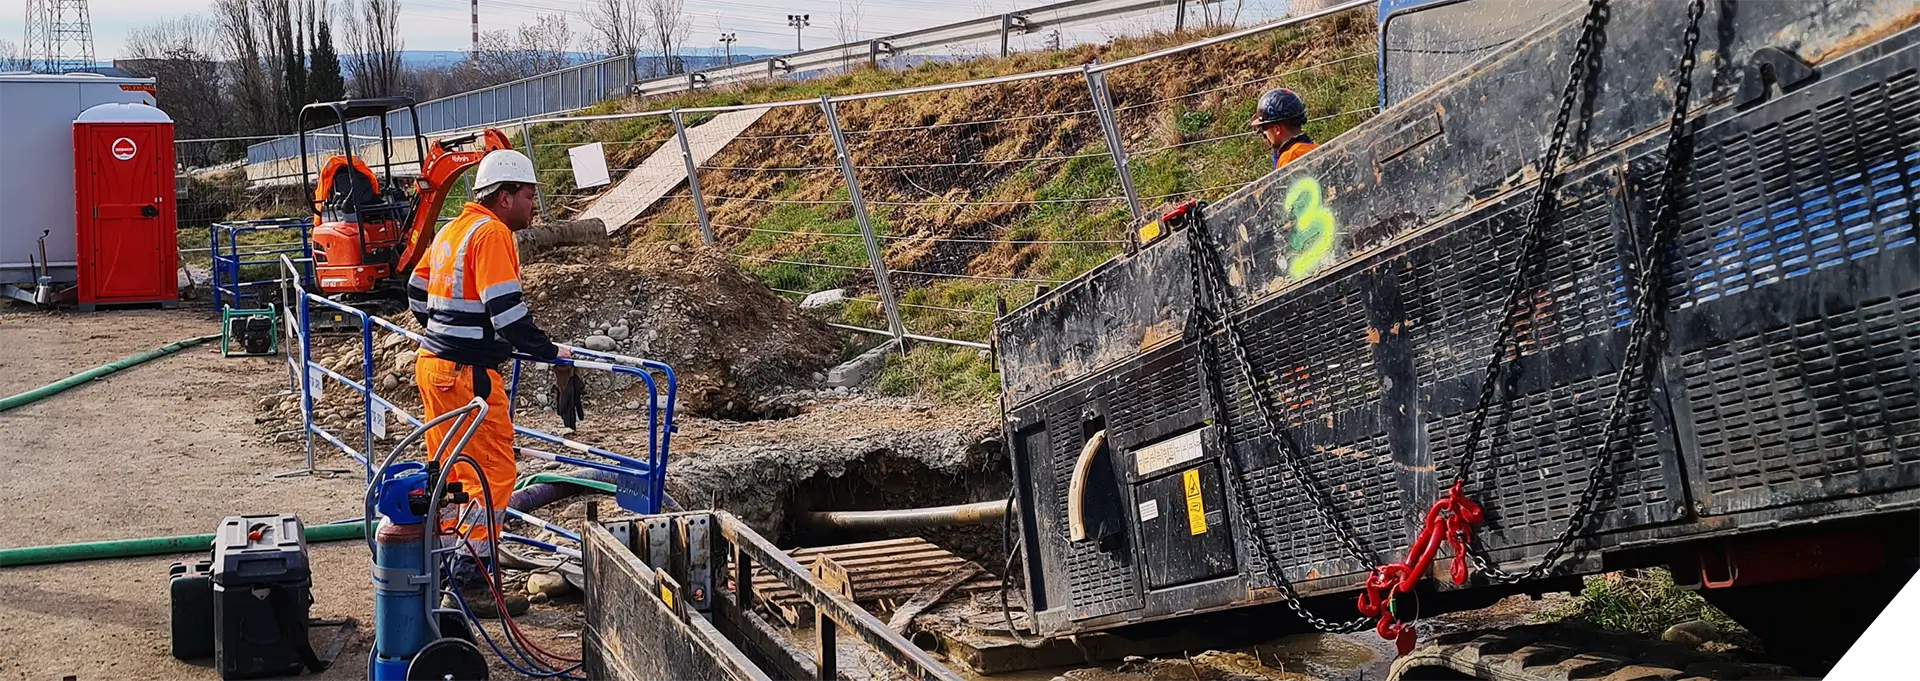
x=368 y=230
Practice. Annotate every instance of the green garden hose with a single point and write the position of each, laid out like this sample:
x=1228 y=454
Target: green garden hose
x=56 y=387
x=607 y=487
x=152 y=546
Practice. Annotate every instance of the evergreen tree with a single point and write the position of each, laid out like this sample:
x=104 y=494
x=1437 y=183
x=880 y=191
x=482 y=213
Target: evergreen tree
x=325 y=84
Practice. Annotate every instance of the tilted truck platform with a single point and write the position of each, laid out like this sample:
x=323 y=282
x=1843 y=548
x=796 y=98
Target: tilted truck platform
x=1771 y=456
x=1289 y=443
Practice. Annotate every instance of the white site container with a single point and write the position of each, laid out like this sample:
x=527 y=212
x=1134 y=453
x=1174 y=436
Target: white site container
x=36 y=164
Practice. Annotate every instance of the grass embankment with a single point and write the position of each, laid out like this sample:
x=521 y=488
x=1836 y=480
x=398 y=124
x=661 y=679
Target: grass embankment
x=1011 y=183
x=1645 y=602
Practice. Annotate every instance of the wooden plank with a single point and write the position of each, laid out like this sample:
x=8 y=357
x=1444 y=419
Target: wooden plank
x=881 y=573
x=637 y=636
x=934 y=565
x=903 y=541
x=931 y=594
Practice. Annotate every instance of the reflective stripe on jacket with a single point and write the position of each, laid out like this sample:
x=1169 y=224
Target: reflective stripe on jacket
x=466 y=292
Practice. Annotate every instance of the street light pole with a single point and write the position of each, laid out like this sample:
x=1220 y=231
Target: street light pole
x=798 y=21
x=728 y=39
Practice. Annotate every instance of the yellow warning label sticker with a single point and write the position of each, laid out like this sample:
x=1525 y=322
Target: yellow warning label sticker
x=1196 y=509
x=666 y=594
x=1151 y=231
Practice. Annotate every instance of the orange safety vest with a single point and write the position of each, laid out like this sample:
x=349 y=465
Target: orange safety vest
x=466 y=291
x=1293 y=149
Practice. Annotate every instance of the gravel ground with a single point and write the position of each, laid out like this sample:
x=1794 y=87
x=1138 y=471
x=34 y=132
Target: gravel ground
x=166 y=448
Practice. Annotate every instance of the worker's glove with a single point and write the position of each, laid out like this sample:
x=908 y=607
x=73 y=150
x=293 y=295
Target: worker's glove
x=569 y=394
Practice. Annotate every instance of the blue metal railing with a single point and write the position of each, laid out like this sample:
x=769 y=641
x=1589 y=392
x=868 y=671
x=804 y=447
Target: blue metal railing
x=567 y=89
x=224 y=247
x=641 y=483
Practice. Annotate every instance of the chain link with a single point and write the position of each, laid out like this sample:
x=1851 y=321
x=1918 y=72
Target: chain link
x=1209 y=289
x=1642 y=330
x=1203 y=267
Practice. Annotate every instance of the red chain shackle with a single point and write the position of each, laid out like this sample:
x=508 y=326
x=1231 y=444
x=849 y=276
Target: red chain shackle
x=1450 y=519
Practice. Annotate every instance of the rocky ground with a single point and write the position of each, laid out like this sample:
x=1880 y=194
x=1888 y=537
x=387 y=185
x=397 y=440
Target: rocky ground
x=166 y=448
x=172 y=446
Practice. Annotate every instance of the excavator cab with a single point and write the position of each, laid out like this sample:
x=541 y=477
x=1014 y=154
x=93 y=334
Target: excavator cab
x=373 y=227
x=361 y=220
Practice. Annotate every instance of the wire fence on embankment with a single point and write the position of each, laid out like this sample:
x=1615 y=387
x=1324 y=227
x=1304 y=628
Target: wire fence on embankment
x=928 y=207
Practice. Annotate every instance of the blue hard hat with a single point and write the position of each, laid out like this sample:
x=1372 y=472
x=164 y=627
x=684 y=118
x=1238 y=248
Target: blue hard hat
x=1278 y=106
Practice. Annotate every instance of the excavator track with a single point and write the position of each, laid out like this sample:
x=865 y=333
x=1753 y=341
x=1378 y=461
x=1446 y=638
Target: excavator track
x=1556 y=652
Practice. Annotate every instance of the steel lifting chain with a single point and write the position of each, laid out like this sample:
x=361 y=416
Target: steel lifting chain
x=1206 y=270
x=1646 y=316
x=1203 y=267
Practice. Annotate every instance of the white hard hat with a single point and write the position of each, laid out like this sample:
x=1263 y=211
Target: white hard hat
x=502 y=165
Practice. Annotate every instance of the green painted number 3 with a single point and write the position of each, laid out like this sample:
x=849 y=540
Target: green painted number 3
x=1313 y=228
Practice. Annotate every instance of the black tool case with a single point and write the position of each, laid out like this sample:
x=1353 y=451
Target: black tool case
x=262 y=589
x=190 y=598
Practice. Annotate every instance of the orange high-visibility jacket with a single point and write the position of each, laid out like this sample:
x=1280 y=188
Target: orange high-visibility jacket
x=1293 y=149
x=466 y=292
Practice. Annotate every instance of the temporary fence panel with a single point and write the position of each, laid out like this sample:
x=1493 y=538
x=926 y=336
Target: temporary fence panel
x=642 y=482
x=1113 y=106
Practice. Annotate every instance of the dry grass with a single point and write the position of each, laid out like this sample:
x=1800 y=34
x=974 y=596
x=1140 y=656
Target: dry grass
x=967 y=210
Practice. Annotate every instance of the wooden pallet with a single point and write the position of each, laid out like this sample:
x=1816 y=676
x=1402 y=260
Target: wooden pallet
x=882 y=574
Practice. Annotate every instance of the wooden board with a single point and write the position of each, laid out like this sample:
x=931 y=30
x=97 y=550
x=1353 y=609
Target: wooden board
x=884 y=574
x=632 y=635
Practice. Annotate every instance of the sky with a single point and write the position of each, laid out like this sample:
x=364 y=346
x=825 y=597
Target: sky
x=443 y=24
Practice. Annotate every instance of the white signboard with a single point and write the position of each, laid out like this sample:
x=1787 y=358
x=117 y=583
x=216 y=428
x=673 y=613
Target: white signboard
x=379 y=421
x=589 y=165
x=1166 y=454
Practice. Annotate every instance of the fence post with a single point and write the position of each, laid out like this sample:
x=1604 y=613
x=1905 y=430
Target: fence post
x=693 y=177
x=1103 y=106
x=539 y=195
x=875 y=257
x=300 y=329
x=1006 y=31
x=366 y=386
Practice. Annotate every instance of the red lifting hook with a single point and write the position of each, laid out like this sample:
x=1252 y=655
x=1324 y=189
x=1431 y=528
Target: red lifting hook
x=1451 y=519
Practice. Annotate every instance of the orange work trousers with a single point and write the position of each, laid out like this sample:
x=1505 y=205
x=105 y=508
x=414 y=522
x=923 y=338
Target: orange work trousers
x=444 y=387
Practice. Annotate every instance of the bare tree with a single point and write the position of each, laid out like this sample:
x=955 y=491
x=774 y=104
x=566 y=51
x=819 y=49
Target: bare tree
x=372 y=31
x=187 y=76
x=668 y=28
x=619 y=26
x=533 y=49
x=10 y=57
x=846 y=23
x=240 y=41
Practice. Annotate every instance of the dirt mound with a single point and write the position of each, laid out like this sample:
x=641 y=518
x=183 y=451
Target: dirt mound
x=728 y=337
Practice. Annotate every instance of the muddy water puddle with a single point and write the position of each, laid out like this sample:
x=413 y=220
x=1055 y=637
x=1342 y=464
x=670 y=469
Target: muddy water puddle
x=1361 y=656
x=1300 y=657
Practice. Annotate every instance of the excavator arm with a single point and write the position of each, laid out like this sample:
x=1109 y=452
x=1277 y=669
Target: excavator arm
x=446 y=159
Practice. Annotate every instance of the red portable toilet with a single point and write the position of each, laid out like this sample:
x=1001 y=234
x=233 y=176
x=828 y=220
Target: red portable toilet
x=124 y=206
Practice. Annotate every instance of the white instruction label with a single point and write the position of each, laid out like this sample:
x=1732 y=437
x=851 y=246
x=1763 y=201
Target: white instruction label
x=1149 y=510
x=1166 y=454
x=379 y=421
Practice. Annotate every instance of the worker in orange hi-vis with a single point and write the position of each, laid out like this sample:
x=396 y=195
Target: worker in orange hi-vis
x=466 y=292
x=1280 y=117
